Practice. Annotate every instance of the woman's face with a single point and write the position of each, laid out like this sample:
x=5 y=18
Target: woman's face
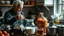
x=19 y=8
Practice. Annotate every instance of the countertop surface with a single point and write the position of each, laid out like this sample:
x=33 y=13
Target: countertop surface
x=28 y=35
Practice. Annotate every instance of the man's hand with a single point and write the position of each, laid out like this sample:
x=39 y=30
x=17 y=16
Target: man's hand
x=19 y=17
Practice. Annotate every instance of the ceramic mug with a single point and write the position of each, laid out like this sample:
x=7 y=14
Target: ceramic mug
x=7 y=2
x=30 y=30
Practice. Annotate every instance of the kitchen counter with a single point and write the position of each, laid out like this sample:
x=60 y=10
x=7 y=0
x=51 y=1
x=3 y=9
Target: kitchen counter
x=28 y=35
x=36 y=35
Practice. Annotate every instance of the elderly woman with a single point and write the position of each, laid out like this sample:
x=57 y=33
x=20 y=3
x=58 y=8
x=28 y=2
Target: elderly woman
x=41 y=23
x=15 y=15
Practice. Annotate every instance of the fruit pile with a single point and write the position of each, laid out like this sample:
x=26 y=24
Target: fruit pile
x=4 y=33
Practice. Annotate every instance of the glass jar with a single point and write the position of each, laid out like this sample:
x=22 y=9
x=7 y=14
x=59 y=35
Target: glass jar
x=2 y=2
x=7 y=2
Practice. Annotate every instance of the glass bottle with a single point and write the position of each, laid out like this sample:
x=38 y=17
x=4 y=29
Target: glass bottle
x=33 y=2
x=7 y=2
x=28 y=2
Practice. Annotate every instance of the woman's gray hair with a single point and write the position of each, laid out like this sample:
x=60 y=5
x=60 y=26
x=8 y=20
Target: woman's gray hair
x=17 y=2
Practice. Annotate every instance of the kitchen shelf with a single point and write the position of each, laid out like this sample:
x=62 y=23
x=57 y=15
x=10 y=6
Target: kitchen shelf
x=29 y=5
x=4 y=5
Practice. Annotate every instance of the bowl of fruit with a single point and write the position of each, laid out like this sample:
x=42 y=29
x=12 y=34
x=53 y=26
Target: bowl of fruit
x=4 y=33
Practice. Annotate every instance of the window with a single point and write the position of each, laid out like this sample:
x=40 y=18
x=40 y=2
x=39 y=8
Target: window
x=48 y=2
x=62 y=8
x=59 y=8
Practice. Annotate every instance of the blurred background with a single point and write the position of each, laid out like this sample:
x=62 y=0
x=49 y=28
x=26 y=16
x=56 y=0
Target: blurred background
x=53 y=10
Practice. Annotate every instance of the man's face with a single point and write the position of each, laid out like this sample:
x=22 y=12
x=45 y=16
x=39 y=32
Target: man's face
x=19 y=8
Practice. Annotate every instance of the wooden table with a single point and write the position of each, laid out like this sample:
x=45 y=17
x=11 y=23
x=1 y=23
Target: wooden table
x=28 y=35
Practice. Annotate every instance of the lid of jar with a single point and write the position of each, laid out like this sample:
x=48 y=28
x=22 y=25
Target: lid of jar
x=61 y=26
x=53 y=26
x=30 y=27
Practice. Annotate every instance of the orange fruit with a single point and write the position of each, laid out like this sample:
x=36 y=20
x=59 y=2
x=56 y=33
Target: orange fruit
x=5 y=32
x=8 y=34
x=2 y=35
x=0 y=32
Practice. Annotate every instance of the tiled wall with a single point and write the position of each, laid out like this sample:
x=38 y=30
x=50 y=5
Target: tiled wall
x=45 y=10
x=25 y=10
x=4 y=9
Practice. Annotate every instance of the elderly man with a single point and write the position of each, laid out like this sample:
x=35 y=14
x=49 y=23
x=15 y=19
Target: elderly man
x=15 y=15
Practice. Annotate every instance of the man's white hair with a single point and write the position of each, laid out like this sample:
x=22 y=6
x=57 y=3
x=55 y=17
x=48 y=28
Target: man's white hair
x=17 y=2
